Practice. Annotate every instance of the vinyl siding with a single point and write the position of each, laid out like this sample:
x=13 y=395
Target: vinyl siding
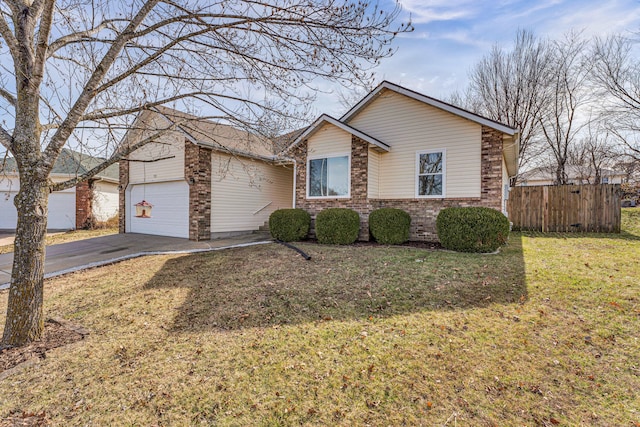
x=327 y=141
x=172 y=146
x=373 y=188
x=409 y=126
x=105 y=200
x=62 y=204
x=240 y=187
x=505 y=187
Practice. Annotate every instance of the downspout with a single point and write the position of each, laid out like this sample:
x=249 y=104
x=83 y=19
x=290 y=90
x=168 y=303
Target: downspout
x=295 y=177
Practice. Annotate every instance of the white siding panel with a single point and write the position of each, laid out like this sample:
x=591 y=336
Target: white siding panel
x=170 y=211
x=329 y=140
x=62 y=210
x=170 y=148
x=8 y=214
x=105 y=200
x=8 y=188
x=373 y=188
x=409 y=126
x=245 y=192
x=505 y=187
x=62 y=206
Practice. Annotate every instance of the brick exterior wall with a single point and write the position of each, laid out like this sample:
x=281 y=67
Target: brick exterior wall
x=124 y=182
x=491 y=172
x=197 y=172
x=84 y=198
x=358 y=200
x=423 y=211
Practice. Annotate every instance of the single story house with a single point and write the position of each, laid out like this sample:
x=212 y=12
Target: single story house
x=198 y=179
x=577 y=175
x=95 y=200
x=402 y=149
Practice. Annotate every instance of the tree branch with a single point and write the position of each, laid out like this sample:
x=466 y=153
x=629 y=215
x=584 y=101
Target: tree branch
x=116 y=157
x=89 y=92
x=80 y=36
x=5 y=139
x=9 y=38
x=8 y=96
x=44 y=30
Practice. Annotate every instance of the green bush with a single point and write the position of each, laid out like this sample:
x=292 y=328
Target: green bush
x=289 y=225
x=472 y=229
x=337 y=226
x=389 y=226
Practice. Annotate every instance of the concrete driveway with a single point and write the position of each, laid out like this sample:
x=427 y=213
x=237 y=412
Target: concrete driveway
x=74 y=256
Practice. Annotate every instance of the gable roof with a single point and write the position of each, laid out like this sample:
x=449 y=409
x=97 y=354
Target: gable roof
x=218 y=136
x=385 y=85
x=325 y=118
x=70 y=162
x=510 y=149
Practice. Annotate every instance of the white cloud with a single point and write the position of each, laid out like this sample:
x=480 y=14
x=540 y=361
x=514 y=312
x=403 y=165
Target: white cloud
x=423 y=12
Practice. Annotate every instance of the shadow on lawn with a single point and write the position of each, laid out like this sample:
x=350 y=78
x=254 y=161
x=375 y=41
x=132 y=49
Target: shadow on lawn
x=271 y=285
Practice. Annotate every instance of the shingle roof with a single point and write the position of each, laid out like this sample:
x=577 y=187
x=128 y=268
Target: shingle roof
x=219 y=136
x=70 y=162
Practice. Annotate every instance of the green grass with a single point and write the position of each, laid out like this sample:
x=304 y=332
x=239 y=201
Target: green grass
x=544 y=333
x=69 y=236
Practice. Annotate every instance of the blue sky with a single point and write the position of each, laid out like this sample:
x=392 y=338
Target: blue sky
x=452 y=35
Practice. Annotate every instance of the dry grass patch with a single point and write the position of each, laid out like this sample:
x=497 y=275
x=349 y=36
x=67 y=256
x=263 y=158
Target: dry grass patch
x=544 y=333
x=69 y=236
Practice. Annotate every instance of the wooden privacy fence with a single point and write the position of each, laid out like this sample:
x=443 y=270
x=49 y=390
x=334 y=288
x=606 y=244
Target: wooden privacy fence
x=575 y=208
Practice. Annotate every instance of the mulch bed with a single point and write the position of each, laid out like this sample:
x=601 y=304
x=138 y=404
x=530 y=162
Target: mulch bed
x=57 y=332
x=410 y=244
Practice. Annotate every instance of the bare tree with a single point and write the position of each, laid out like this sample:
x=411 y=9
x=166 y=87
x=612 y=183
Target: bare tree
x=79 y=66
x=617 y=73
x=567 y=85
x=593 y=154
x=510 y=86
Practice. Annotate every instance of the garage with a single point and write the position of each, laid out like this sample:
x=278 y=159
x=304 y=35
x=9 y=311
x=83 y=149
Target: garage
x=62 y=210
x=169 y=212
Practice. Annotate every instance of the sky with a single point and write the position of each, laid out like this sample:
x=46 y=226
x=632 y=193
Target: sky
x=450 y=36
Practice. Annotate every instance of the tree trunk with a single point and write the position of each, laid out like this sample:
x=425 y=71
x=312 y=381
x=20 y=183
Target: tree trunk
x=24 y=322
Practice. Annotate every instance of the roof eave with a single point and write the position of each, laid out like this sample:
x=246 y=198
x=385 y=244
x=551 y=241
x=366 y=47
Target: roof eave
x=325 y=118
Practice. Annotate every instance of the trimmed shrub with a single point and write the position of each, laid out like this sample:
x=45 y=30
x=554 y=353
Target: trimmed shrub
x=337 y=226
x=473 y=229
x=289 y=225
x=389 y=226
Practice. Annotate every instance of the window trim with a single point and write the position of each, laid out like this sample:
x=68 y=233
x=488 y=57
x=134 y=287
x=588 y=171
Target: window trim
x=329 y=156
x=443 y=173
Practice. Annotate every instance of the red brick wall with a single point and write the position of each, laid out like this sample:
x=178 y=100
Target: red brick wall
x=423 y=211
x=197 y=172
x=491 y=172
x=358 y=200
x=84 y=197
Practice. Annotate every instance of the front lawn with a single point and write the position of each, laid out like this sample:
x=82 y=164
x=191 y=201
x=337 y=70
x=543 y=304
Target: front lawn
x=544 y=333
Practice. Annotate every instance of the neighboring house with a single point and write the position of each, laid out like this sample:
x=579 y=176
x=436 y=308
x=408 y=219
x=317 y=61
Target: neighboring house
x=398 y=148
x=95 y=200
x=201 y=179
x=546 y=175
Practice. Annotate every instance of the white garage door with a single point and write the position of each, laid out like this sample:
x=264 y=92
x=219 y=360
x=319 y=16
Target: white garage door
x=170 y=211
x=62 y=210
x=8 y=215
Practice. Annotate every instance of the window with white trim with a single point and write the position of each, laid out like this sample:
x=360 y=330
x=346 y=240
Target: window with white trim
x=430 y=174
x=328 y=177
